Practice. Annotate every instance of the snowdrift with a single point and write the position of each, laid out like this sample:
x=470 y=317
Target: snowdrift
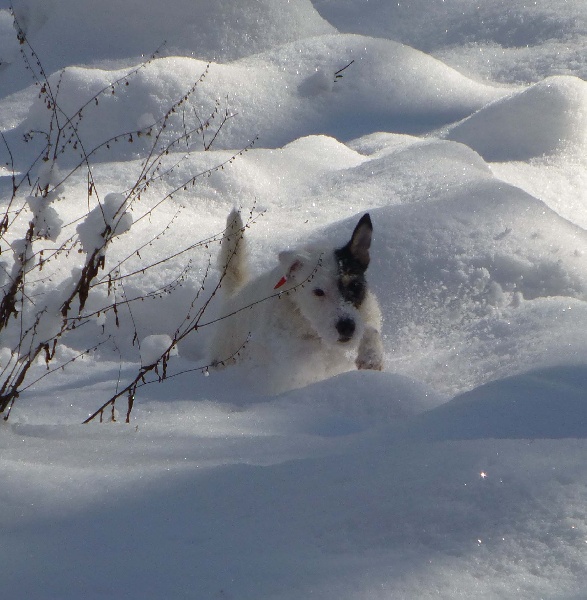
x=547 y=403
x=508 y=129
x=396 y=87
x=457 y=472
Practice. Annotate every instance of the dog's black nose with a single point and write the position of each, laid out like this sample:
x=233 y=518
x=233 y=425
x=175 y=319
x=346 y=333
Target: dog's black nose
x=345 y=328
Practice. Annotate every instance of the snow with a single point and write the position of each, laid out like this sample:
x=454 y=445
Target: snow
x=505 y=131
x=111 y=214
x=456 y=472
x=153 y=346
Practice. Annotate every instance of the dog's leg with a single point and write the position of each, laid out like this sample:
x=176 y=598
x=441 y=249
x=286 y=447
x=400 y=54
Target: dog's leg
x=370 y=353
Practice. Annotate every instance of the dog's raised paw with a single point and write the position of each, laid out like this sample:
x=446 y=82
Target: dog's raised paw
x=370 y=355
x=373 y=365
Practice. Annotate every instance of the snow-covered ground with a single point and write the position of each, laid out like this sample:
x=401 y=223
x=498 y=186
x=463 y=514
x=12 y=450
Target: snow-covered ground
x=460 y=471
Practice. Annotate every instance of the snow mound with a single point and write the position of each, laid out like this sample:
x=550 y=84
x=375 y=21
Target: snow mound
x=546 y=403
x=470 y=275
x=484 y=236
x=388 y=87
x=456 y=237
x=559 y=181
x=497 y=40
x=352 y=402
x=547 y=118
x=155 y=346
x=111 y=216
x=408 y=171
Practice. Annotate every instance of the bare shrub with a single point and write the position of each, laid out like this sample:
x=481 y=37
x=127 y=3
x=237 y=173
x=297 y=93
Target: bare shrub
x=38 y=308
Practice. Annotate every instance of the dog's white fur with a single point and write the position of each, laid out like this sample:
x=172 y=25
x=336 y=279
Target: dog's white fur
x=300 y=331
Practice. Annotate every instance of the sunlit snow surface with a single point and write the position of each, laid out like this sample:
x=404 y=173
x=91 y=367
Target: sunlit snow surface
x=457 y=472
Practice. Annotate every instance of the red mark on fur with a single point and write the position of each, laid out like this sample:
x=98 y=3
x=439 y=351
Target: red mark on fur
x=280 y=282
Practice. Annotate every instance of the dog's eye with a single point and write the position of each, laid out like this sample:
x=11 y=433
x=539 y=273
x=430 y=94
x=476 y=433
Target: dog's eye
x=318 y=292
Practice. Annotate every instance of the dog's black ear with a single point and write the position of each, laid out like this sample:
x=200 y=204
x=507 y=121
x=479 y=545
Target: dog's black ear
x=360 y=242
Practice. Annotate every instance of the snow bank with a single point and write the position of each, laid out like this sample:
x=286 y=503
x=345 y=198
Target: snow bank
x=457 y=254
x=387 y=86
x=430 y=24
x=547 y=403
x=340 y=519
x=451 y=226
x=547 y=118
x=496 y=39
x=475 y=238
x=221 y=31
x=560 y=181
x=369 y=484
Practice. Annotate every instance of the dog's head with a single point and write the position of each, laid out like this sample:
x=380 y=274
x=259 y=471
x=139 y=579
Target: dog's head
x=330 y=285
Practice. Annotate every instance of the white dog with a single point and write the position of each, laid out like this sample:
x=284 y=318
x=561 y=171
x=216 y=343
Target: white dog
x=310 y=318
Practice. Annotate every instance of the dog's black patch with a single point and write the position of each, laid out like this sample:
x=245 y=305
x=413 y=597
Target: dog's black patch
x=352 y=261
x=351 y=277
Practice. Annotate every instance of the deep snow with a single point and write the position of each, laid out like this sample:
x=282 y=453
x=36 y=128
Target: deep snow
x=457 y=472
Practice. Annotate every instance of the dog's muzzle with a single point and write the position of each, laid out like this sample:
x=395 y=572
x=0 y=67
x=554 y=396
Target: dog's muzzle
x=345 y=328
